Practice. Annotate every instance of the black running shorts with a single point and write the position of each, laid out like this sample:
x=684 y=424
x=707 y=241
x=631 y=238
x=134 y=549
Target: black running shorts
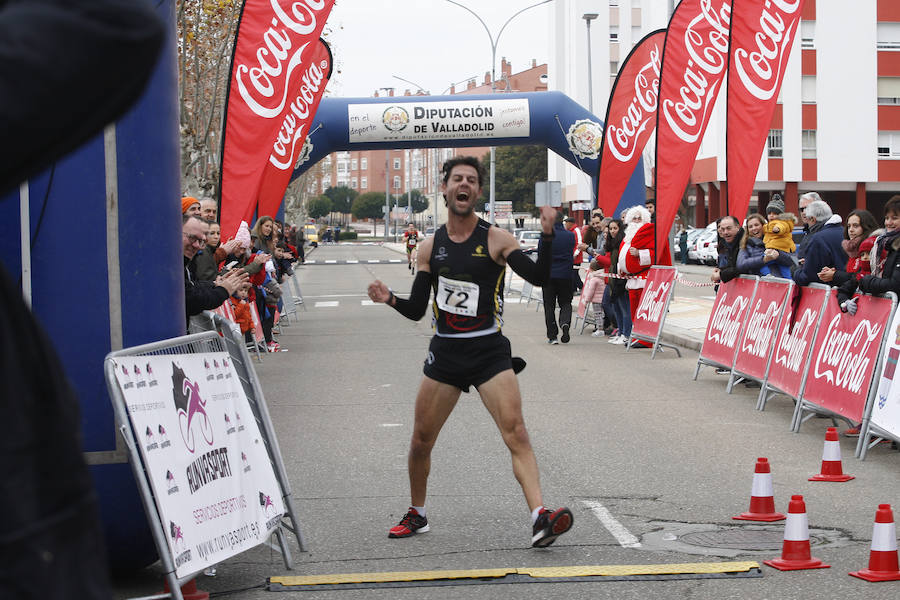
x=464 y=362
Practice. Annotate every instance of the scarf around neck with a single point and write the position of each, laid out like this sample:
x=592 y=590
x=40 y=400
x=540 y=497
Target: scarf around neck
x=881 y=250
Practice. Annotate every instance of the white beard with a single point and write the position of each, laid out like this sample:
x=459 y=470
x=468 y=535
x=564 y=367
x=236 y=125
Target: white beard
x=630 y=230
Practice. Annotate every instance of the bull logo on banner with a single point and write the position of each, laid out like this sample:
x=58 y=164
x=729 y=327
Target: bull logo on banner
x=726 y=321
x=191 y=409
x=841 y=358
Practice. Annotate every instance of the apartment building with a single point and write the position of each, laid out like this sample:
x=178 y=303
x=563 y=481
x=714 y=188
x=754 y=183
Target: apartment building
x=835 y=130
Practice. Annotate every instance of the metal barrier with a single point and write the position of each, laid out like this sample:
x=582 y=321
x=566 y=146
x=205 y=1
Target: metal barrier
x=225 y=338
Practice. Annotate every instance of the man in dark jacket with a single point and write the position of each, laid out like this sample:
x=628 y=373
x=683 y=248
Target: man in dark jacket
x=823 y=244
x=559 y=288
x=204 y=295
x=730 y=235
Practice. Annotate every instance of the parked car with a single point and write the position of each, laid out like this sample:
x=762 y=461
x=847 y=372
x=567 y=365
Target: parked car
x=698 y=250
x=528 y=240
x=676 y=244
x=429 y=231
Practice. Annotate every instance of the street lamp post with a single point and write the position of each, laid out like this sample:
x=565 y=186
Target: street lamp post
x=588 y=17
x=493 y=76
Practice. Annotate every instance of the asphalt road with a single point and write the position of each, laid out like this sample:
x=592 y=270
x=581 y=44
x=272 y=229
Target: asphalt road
x=634 y=447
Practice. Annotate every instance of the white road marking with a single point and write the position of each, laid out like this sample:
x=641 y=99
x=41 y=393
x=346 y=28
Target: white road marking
x=373 y=261
x=327 y=304
x=391 y=425
x=625 y=538
x=309 y=262
x=369 y=302
x=395 y=261
x=352 y=262
x=330 y=262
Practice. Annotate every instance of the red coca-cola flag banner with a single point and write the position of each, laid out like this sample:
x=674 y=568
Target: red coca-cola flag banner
x=844 y=356
x=792 y=349
x=278 y=75
x=729 y=312
x=762 y=34
x=755 y=350
x=695 y=58
x=651 y=311
x=630 y=119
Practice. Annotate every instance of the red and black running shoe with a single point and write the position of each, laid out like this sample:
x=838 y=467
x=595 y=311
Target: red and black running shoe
x=411 y=523
x=549 y=526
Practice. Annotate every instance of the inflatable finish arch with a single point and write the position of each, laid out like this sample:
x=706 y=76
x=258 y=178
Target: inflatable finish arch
x=549 y=118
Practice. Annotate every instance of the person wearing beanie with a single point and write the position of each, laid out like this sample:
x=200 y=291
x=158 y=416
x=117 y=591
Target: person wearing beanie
x=190 y=206
x=778 y=235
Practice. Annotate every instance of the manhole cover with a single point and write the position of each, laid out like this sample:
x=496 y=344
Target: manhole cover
x=736 y=539
x=716 y=540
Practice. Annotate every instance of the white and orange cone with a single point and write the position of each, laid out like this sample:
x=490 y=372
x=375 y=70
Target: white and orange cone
x=795 y=552
x=762 y=498
x=831 y=459
x=883 y=557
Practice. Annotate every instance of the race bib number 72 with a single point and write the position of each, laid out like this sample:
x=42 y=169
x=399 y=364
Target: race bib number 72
x=457 y=297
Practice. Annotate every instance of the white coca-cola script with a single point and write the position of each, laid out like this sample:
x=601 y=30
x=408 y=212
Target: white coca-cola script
x=842 y=359
x=706 y=43
x=755 y=68
x=726 y=321
x=760 y=329
x=264 y=87
x=791 y=349
x=623 y=139
x=652 y=302
x=292 y=131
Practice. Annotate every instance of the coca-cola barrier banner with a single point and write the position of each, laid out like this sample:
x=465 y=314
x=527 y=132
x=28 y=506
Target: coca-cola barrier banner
x=754 y=351
x=762 y=34
x=278 y=75
x=792 y=349
x=729 y=312
x=844 y=355
x=630 y=119
x=695 y=58
x=650 y=313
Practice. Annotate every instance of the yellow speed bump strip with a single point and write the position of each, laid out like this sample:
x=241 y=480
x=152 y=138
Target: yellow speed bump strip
x=520 y=575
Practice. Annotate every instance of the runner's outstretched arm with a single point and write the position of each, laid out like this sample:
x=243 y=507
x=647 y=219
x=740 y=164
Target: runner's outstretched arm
x=535 y=273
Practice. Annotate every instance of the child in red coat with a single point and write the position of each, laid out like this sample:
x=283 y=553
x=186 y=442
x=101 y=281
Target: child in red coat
x=242 y=314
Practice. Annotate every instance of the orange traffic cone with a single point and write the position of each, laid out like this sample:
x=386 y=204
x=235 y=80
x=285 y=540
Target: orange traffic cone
x=831 y=459
x=762 y=500
x=189 y=591
x=883 y=557
x=795 y=554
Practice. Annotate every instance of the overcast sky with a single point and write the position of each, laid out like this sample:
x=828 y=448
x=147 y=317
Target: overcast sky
x=430 y=42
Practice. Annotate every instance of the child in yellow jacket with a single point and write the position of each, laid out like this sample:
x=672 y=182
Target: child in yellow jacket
x=777 y=236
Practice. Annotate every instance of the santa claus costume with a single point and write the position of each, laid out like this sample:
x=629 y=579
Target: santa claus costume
x=637 y=252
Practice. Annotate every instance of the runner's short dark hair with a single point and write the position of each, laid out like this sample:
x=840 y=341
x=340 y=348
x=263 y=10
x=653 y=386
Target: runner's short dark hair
x=463 y=160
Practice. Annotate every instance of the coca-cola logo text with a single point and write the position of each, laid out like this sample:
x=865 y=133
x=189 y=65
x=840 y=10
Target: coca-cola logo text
x=773 y=38
x=842 y=359
x=653 y=301
x=706 y=43
x=760 y=329
x=292 y=131
x=792 y=345
x=622 y=139
x=264 y=87
x=726 y=321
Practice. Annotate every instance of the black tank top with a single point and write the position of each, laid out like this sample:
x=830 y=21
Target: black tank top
x=467 y=285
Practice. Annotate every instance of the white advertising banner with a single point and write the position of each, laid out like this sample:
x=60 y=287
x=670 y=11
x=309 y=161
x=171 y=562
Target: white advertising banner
x=205 y=459
x=460 y=119
x=886 y=410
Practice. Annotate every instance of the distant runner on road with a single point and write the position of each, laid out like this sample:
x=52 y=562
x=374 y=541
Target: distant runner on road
x=410 y=240
x=464 y=263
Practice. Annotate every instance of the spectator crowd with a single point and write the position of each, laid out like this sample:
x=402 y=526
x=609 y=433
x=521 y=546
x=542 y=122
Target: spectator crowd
x=246 y=270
